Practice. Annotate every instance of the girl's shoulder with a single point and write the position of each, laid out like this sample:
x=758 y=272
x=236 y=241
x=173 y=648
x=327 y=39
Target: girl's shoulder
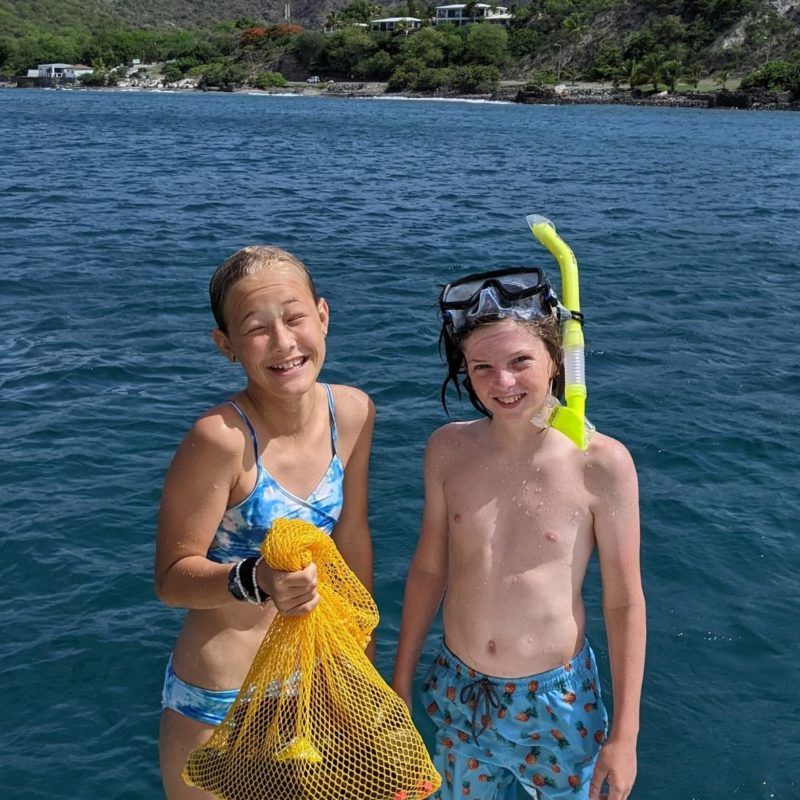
x=219 y=430
x=353 y=407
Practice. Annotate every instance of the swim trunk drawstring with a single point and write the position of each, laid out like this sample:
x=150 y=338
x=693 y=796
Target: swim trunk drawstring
x=472 y=694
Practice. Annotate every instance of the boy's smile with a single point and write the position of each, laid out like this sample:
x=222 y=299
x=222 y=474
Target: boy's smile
x=510 y=369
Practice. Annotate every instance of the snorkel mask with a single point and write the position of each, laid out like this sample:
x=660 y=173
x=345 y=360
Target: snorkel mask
x=524 y=294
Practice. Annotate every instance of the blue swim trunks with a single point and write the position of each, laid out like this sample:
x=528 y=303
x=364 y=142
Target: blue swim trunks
x=543 y=732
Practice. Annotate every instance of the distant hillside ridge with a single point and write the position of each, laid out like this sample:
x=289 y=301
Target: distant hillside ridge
x=232 y=43
x=612 y=16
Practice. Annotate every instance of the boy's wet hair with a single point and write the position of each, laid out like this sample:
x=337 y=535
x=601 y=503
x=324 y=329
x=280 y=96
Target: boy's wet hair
x=245 y=262
x=548 y=329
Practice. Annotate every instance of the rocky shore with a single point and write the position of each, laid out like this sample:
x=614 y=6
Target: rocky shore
x=761 y=100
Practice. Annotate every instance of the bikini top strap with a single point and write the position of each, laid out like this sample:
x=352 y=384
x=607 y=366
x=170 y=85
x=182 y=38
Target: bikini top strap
x=249 y=425
x=331 y=408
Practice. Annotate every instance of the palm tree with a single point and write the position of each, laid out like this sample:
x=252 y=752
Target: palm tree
x=574 y=26
x=653 y=69
x=470 y=9
x=629 y=72
x=332 y=21
x=722 y=79
x=693 y=75
x=671 y=72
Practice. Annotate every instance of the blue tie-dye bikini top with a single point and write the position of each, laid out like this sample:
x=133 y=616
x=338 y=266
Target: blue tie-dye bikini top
x=243 y=526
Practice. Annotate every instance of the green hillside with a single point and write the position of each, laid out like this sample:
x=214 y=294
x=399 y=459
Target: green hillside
x=234 y=42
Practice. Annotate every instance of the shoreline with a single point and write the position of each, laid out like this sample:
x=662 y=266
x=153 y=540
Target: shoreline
x=523 y=94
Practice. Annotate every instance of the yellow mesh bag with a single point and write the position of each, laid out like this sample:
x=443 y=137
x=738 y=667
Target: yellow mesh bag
x=314 y=720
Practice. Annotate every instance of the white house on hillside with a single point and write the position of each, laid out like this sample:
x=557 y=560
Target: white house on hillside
x=392 y=24
x=458 y=14
x=63 y=72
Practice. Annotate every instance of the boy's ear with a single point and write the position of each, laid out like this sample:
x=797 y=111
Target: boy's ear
x=324 y=314
x=222 y=341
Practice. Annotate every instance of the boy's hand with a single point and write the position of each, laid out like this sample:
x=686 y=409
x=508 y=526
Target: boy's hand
x=405 y=695
x=294 y=593
x=616 y=765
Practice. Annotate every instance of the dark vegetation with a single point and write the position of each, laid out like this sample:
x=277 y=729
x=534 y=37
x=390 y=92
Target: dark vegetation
x=664 y=45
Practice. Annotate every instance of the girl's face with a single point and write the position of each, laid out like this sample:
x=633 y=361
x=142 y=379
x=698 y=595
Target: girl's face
x=276 y=329
x=510 y=369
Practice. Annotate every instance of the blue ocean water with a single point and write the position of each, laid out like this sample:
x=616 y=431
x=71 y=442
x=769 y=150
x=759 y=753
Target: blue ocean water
x=114 y=209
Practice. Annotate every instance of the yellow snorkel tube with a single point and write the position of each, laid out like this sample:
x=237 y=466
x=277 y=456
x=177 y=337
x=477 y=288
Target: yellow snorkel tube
x=570 y=419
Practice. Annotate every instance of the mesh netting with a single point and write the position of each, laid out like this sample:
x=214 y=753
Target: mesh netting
x=314 y=720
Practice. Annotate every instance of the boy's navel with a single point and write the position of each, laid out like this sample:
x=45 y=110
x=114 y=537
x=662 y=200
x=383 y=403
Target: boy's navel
x=551 y=537
x=456 y=517
x=491 y=646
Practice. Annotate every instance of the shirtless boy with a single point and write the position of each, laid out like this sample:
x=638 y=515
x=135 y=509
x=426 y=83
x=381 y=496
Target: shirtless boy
x=513 y=511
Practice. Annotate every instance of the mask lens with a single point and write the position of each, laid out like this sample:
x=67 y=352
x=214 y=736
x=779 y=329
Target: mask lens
x=467 y=290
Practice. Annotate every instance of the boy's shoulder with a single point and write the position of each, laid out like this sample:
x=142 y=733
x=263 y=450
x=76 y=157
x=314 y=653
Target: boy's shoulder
x=455 y=434
x=609 y=459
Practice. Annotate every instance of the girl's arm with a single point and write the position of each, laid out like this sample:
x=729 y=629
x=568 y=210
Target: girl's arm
x=203 y=472
x=198 y=486
x=427 y=575
x=351 y=534
x=616 y=522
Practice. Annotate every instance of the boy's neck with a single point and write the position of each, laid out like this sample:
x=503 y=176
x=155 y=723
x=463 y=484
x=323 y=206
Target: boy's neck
x=522 y=435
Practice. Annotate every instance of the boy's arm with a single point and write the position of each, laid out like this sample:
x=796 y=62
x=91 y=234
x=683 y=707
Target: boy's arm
x=427 y=575
x=616 y=522
x=351 y=534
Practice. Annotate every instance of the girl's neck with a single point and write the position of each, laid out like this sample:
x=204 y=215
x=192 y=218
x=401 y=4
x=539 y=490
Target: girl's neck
x=284 y=416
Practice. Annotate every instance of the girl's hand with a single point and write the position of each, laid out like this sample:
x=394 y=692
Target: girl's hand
x=294 y=593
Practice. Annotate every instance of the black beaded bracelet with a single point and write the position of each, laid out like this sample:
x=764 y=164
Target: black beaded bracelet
x=242 y=582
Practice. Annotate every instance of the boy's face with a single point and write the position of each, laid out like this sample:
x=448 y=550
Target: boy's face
x=510 y=369
x=276 y=329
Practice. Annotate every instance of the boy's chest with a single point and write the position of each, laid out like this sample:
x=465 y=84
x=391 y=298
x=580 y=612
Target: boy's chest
x=517 y=512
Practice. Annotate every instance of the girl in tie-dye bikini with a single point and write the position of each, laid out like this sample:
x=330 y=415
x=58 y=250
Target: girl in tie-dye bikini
x=286 y=445
x=513 y=512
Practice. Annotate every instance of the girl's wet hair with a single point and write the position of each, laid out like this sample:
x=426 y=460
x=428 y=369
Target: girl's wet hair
x=245 y=262
x=548 y=329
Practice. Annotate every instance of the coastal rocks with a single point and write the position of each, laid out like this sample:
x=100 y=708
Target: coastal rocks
x=355 y=89
x=759 y=99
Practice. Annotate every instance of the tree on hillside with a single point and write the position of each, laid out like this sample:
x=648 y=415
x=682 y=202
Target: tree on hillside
x=486 y=44
x=694 y=74
x=574 y=26
x=671 y=71
x=722 y=79
x=360 y=11
x=629 y=72
x=309 y=47
x=333 y=21
x=426 y=45
x=346 y=48
x=470 y=9
x=421 y=10
x=653 y=69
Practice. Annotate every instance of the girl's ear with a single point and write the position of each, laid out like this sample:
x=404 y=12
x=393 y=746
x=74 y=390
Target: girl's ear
x=223 y=343
x=324 y=314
